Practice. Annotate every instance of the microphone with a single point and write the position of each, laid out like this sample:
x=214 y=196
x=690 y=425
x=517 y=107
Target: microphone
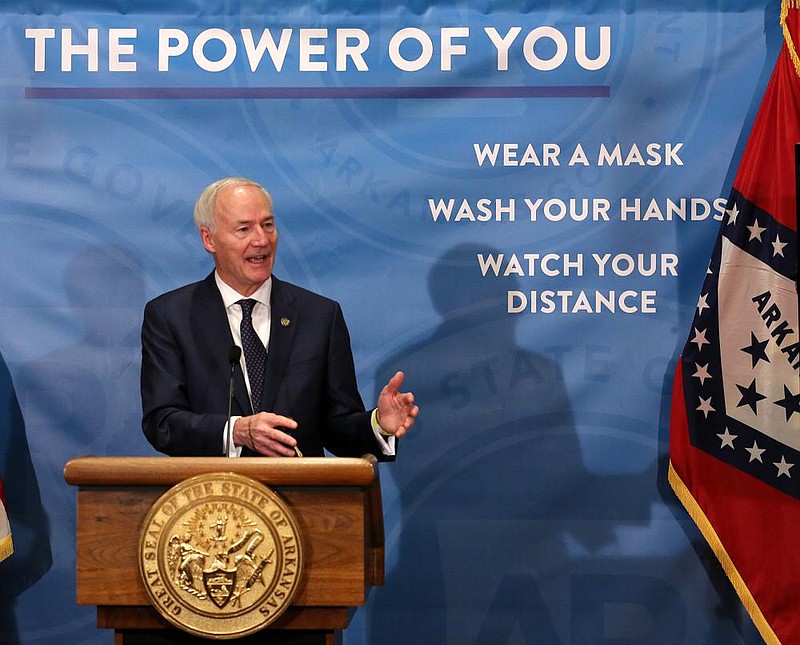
x=234 y=354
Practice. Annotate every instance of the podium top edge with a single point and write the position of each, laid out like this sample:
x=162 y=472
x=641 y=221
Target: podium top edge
x=167 y=471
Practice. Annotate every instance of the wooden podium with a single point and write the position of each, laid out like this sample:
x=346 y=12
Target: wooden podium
x=337 y=503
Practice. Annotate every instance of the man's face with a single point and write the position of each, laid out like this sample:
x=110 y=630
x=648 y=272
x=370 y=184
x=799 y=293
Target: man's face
x=245 y=239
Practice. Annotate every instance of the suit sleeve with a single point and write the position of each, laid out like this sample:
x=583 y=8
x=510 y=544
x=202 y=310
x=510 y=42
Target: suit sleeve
x=349 y=431
x=172 y=422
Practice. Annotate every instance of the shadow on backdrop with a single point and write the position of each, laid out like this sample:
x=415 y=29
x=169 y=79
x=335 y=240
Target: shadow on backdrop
x=502 y=529
x=82 y=398
x=86 y=394
x=29 y=524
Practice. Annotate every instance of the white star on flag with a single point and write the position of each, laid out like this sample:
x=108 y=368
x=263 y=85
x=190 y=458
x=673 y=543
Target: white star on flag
x=733 y=213
x=783 y=467
x=705 y=406
x=702 y=303
x=702 y=373
x=727 y=439
x=700 y=338
x=755 y=231
x=778 y=246
x=756 y=452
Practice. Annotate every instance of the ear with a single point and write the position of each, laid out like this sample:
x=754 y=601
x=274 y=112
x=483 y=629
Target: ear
x=208 y=240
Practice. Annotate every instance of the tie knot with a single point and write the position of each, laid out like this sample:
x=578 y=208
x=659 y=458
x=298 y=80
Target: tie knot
x=247 y=305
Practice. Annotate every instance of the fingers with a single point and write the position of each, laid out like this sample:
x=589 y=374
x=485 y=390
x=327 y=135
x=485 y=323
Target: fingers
x=390 y=396
x=400 y=416
x=394 y=383
x=268 y=435
x=407 y=399
x=396 y=410
x=411 y=416
x=407 y=424
x=272 y=420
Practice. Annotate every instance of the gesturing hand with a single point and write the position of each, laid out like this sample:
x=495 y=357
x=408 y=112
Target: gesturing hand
x=396 y=410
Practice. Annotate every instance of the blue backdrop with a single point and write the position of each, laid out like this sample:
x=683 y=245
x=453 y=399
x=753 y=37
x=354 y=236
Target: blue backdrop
x=513 y=201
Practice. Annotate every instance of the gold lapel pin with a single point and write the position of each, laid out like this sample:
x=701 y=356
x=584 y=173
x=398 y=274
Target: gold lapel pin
x=285 y=322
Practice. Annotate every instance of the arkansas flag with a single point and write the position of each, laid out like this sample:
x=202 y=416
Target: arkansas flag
x=6 y=546
x=735 y=421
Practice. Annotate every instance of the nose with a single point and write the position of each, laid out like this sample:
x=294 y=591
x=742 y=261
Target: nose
x=261 y=237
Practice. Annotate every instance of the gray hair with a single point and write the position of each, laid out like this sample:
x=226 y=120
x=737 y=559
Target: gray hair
x=204 y=207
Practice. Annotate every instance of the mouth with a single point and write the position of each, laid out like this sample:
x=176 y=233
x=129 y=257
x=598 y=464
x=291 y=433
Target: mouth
x=257 y=259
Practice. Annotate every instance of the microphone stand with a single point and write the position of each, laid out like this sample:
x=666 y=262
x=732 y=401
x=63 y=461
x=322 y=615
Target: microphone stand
x=233 y=357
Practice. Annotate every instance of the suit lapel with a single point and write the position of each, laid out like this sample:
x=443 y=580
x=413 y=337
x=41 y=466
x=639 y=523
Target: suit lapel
x=211 y=324
x=281 y=339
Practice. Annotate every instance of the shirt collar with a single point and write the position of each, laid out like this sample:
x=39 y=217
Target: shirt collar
x=230 y=296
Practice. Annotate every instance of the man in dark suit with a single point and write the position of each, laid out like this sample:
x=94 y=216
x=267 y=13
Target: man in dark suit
x=308 y=398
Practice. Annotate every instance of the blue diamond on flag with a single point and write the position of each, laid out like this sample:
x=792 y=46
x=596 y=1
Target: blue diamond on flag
x=742 y=359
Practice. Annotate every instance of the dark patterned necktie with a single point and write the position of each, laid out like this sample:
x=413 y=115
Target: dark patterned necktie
x=255 y=355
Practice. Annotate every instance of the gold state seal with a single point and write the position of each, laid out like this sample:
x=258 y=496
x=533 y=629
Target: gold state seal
x=220 y=555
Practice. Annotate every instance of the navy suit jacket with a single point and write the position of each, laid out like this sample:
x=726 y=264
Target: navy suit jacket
x=310 y=376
